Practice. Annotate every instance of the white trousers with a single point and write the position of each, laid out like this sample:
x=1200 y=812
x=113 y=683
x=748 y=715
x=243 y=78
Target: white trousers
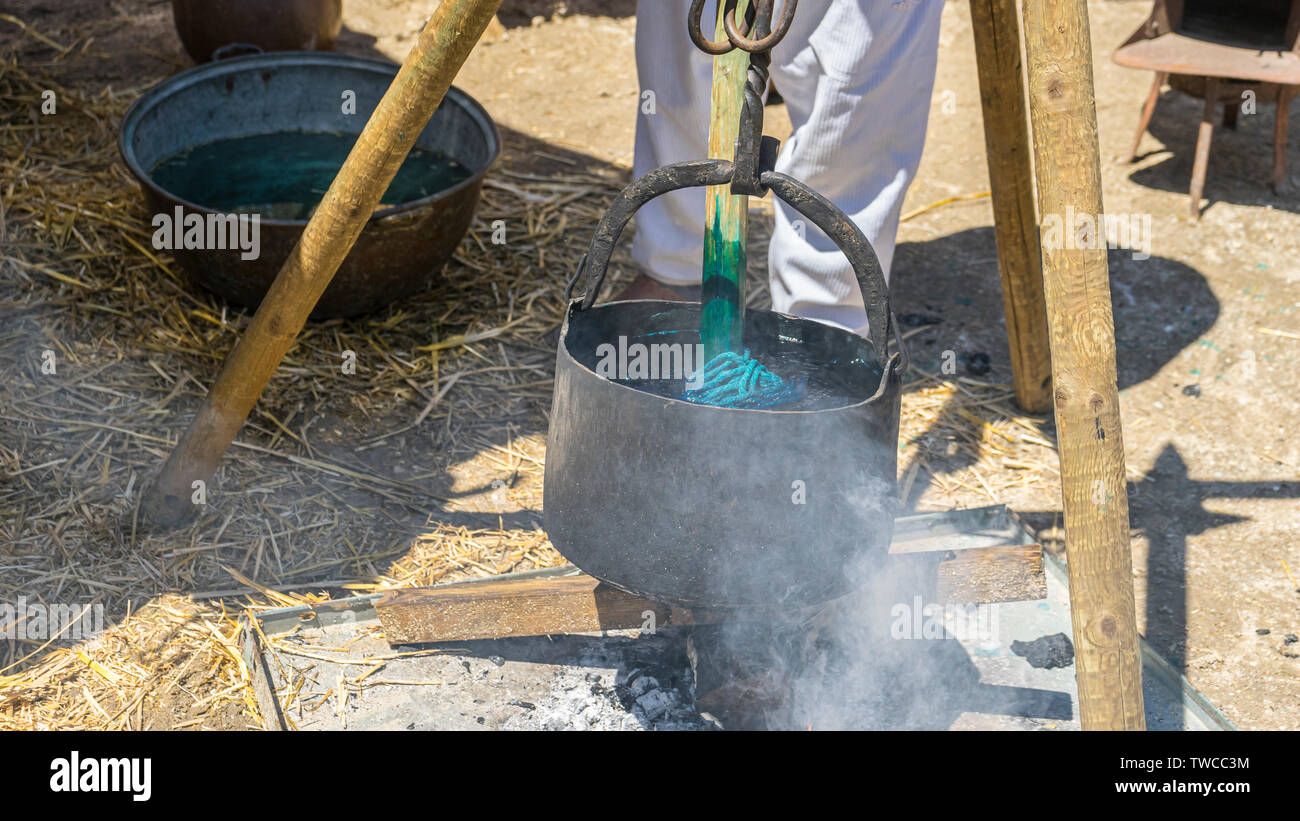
x=857 y=77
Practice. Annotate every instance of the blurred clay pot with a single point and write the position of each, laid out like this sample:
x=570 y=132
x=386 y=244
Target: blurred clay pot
x=272 y=25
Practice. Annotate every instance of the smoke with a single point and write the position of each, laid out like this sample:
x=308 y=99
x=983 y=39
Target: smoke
x=861 y=672
x=876 y=658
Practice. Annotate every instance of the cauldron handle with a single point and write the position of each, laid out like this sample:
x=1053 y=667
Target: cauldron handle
x=820 y=211
x=666 y=178
x=235 y=50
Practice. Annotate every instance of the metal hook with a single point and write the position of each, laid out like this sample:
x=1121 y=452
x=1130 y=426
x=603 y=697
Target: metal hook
x=758 y=19
x=694 y=24
x=762 y=21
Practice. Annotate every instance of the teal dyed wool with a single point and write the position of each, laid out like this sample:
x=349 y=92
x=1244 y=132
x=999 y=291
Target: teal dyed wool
x=732 y=380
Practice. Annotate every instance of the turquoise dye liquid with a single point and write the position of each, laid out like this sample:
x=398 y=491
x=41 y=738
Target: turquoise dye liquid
x=834 y=384
x=285 y=175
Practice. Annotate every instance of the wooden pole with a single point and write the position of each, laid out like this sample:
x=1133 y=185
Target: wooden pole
x=1284 y=95
x=726 y=217
x=1204 y=134
x=401 y=115
x=1077 y=291
x=1148 y=109
x=1006 y=140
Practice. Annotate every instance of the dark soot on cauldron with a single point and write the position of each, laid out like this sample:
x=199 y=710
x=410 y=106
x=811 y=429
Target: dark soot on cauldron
x=284 y=175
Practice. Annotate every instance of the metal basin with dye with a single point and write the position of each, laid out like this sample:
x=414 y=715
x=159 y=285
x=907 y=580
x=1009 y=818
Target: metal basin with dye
x=402 y=248
x=722 y=507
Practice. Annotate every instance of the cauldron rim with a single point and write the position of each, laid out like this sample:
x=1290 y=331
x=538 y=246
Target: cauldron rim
x=178 y=83
x=882 y=386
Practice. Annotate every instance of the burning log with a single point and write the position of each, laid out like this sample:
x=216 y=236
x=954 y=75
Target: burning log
x=742 y=671
x=522 y=607
x=954 y=557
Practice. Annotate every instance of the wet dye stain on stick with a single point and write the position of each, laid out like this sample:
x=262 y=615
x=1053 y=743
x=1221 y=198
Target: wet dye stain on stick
x=722 y=320
x=285 y=175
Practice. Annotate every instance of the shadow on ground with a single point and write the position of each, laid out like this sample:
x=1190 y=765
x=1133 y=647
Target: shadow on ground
x=1241 y=159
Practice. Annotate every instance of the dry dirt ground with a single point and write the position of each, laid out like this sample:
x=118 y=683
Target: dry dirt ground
x=1208 y=398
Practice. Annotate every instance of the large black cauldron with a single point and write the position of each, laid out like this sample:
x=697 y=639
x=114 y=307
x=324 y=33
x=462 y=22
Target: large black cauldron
x=705 y=506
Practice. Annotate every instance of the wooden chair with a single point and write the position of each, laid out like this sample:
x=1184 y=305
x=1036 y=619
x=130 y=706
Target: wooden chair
x=1216 y=50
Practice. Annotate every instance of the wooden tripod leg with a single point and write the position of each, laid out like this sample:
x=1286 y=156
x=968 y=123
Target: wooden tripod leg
x=1148 y=109
x=1062 y=105
x=1203 y=137
x=1284 y=96
x=1006 y=141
